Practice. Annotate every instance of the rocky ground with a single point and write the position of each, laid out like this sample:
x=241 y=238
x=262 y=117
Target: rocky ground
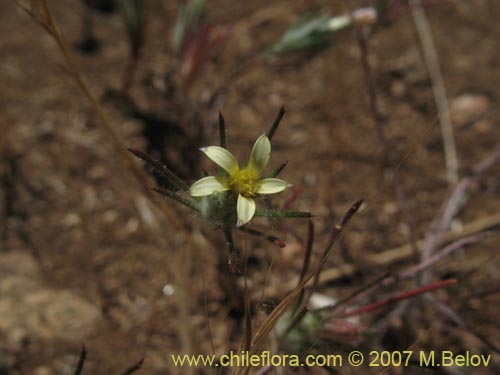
x=86 y=257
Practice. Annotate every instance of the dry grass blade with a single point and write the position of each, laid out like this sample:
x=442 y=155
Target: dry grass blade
x=308 y=250
x=438 y=88
x=401 y=253
x=363 y=291
x=81 y=361
x=83 y=356
x=400 y=297
x=133 y=368
x=46 y=20
x=336 y=231
x=265 y=329
x=48 y=23
x=454 y=246
x=438 y=230
x=276 y=123
x=438 y=234
x=378 y=121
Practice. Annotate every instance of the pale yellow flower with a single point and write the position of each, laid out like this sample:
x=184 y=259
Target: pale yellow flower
x=246 y=182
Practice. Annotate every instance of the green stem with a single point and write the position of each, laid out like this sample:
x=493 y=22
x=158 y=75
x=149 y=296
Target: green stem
x=177 y=197
x=279 y=213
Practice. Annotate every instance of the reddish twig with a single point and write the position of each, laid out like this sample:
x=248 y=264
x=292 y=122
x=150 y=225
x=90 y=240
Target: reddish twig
x=399 y=297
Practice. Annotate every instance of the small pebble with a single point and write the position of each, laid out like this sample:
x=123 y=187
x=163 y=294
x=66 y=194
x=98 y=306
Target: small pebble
x=467 y=108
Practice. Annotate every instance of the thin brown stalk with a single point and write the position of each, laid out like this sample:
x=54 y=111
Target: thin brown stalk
x=386 y=281
x=358 y=294
x=452 y=315
x=246 y=295
x=81 y=361
x=308 y=250
x=440 y=225
x=134 y=368
x=334 y=236
x=266 y=327
x=49 y=24
x=484 y=293
x=439 y=234
x=402 y=253
x=378 y=121
x=45 y=20
x=205 y=310
x=454 y=246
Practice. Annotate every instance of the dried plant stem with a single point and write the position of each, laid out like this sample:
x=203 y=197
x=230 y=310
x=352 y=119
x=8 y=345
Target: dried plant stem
x=247 y=339
x=400 y=297
x=133 y=368
x=387 y=281
x=266 y=327
x=308 y=250
x=379 y=125
x=402 y=253
x=440 y=225
x=48 y=23
x=276 y=123
x=46 y=20
x=454 y=246
x=438 y=88
x=334 y=236
x=453 y=316
x=452 y=206
x=81 y=361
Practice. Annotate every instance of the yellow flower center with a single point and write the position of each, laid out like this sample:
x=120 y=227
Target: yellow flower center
x=243 y=182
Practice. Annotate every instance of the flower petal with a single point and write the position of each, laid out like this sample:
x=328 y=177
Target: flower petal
x=222 y=157
x=271 y=186
x=207 y=186
x=245 y=209
x=260 y=155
